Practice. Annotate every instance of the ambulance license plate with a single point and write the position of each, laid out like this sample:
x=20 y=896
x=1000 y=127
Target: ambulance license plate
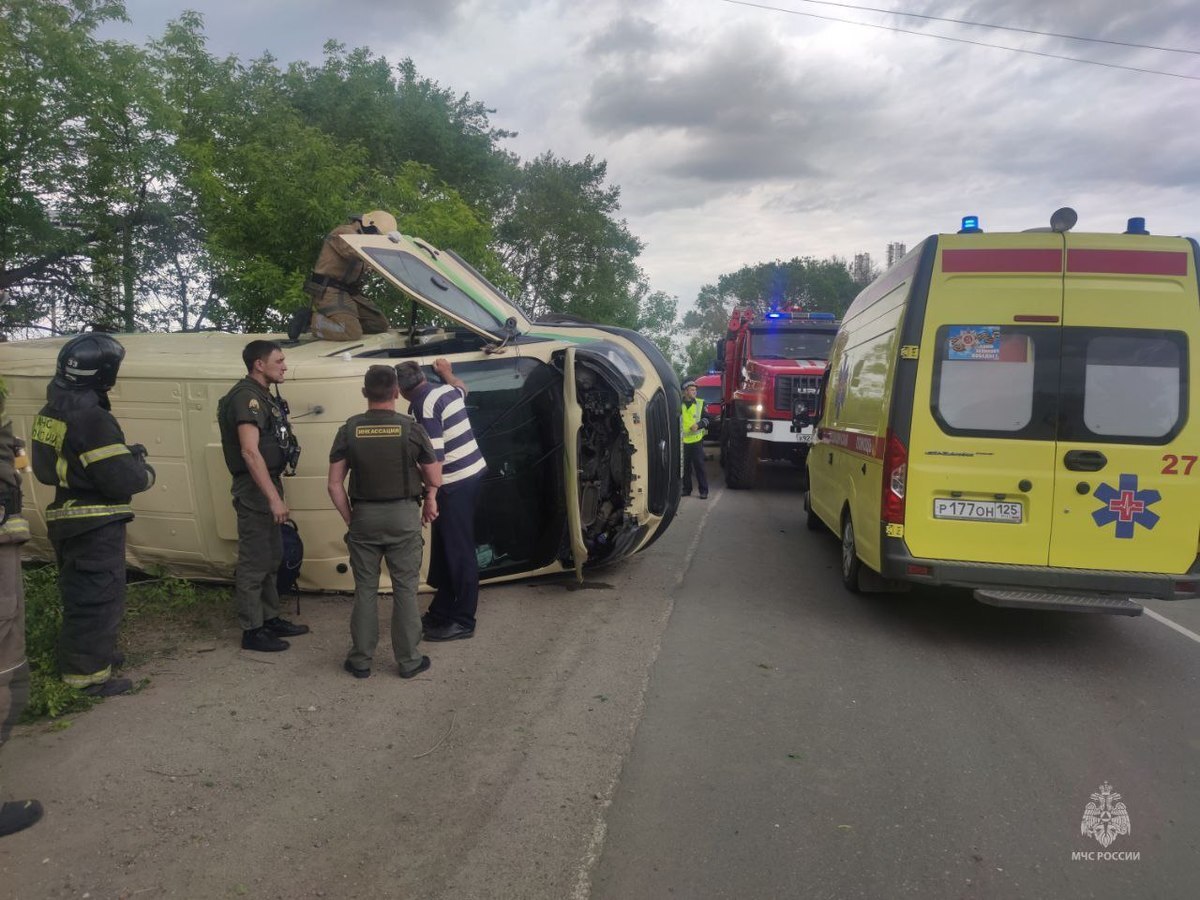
x=977 y=510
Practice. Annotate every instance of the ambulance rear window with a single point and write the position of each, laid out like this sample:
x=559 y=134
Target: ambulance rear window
x=1132 y=383
x=985 y=379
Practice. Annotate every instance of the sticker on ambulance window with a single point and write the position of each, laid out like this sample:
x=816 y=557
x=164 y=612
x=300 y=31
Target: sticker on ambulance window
x=974 y=342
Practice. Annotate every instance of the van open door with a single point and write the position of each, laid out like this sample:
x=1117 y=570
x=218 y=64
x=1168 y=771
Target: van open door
x=1127 y=476
x=442 y=281
x=572 y=422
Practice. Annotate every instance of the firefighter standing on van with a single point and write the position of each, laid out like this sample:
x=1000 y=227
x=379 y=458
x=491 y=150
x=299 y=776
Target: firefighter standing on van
x=340 y=312
x=694 y=425
x=15 y=815
x=79 y=448
x=258 y=445
x=392 y=467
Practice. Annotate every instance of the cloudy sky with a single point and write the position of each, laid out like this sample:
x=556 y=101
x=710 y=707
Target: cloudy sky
x=741 y=133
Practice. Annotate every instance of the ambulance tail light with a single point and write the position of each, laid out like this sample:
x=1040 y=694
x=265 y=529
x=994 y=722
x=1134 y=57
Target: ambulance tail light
x=895 y=473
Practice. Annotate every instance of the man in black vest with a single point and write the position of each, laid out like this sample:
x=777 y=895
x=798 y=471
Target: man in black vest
x=258 y=445
x=392 y=466
x=80 y=449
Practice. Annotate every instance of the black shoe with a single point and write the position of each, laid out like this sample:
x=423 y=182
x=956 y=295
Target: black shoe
x=451 y=632
x=299 y=323
x=283 y=628
x=357 y=673
x=419 y=669
x=704 y=496
x=686 y=494
x=262 y=640
x=112 y=688
x=17 y=815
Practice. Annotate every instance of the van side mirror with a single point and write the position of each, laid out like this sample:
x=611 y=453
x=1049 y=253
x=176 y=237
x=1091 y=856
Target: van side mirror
x=719 y=362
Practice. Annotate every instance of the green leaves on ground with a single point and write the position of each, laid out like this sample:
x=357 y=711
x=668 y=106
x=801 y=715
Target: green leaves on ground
x=159 y=613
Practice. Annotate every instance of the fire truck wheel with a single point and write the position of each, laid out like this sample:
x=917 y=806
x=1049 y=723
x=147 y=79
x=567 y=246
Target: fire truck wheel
x=851 y=564
x=739 y=464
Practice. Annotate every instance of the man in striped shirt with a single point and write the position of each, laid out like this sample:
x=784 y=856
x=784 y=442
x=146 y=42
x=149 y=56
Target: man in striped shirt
x=453 y=568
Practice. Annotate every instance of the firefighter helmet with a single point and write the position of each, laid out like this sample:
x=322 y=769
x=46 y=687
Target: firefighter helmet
x=378 y=221
x=89 y=360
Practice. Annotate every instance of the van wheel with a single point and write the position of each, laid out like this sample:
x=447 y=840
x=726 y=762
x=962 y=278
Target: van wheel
x=851 y=564
x=739 y=467
x=811 y=519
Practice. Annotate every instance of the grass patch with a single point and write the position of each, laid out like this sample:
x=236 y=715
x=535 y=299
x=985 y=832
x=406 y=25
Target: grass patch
x=162 y=613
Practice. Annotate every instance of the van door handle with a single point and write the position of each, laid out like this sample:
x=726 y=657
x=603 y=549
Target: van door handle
x=1085 y=460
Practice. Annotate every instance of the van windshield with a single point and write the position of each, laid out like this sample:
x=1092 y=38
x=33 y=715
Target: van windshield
x=776 y=344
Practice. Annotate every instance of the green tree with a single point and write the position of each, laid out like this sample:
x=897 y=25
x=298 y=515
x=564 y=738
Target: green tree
x=395 y=116
x=74 y=174
x=563 y=243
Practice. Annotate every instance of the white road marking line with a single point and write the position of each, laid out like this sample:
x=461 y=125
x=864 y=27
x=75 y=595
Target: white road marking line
x=1174 y=625
x=695 y=544
x=591 y=856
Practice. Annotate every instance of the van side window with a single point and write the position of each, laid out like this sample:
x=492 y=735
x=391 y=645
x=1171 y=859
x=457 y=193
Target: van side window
x=1133 y=384
x=985 y=381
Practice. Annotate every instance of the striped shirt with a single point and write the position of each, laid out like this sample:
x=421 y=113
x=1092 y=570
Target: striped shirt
x=442 y=412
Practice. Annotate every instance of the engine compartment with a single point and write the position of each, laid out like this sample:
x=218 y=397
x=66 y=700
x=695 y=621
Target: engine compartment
x=605 y=466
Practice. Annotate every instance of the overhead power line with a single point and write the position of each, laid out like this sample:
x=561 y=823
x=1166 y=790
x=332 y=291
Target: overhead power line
x=957 y=40
x=1055 y=34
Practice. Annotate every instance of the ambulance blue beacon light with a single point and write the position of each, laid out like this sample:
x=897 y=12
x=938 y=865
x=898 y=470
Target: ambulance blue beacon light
x=970 y=225
x=1136 y=225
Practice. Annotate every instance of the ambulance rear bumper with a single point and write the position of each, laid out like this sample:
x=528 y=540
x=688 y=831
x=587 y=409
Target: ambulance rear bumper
x=898 y=564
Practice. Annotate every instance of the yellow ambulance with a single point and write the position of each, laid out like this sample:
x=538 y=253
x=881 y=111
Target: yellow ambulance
x=1012 y=413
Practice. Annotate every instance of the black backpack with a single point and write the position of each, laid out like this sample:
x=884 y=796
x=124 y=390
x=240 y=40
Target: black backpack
x=293 y=559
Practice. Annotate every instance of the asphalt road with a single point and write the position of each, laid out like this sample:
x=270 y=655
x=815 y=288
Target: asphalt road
x=800 y=741
x=713 y=718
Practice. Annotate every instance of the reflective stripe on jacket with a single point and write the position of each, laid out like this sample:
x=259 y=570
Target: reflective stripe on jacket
x=79 y=448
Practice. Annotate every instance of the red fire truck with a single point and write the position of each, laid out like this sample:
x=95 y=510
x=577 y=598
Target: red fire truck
x=770 y=362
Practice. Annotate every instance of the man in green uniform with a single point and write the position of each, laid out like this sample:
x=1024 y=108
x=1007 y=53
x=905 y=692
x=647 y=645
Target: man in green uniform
x=258 y=445
x=340 y=312
x=15 y=815
x=79 y=448
x=392 y=465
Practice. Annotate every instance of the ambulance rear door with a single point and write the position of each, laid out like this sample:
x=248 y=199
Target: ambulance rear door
x=980 y=453
x=1127 y=476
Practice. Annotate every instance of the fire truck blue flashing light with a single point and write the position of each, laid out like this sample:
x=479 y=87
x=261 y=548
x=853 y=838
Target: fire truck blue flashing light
x=1136 y=225
x=774 y=315
x=824 y=317
x=970 y=225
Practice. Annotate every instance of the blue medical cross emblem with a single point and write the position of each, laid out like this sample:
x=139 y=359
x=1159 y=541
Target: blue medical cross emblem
x=1126 y=506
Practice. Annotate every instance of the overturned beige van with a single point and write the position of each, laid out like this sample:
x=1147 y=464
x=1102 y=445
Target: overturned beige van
x=579 y=425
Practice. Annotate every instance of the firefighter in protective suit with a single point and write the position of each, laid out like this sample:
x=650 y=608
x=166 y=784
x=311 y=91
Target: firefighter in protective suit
x=79 y=448
x=339 y=311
